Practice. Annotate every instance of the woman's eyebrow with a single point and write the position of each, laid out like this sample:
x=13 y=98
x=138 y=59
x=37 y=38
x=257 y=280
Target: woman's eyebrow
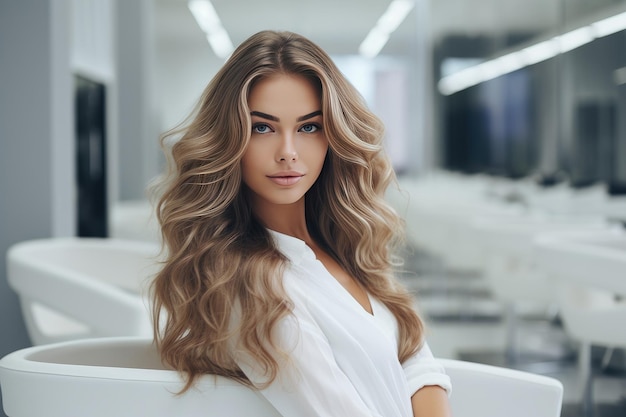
x=265 y=116
x=276 y=119
x=309 y=116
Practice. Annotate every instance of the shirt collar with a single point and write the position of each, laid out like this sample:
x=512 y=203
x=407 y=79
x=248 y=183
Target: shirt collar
x=293 y=248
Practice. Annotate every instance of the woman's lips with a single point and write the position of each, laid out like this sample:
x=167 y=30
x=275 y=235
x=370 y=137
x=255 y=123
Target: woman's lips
x=286 y=178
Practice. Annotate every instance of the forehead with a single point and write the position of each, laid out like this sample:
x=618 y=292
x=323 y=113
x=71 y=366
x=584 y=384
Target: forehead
x=284 y=93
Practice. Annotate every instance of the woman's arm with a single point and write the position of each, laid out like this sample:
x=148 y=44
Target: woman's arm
x=423 y=370
x=430 y=384
x=431 y=401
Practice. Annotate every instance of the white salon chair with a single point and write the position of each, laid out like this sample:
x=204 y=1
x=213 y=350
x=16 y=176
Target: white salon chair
x=510 y=269
x=82 y=287
x=123 y=377
x=134 y=220
x=439 y=211
x=590 y=271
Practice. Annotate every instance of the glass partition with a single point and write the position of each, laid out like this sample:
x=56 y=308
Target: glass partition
x=535 y=97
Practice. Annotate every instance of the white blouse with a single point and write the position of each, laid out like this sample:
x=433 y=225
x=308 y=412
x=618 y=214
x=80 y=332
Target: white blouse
x=343 y=361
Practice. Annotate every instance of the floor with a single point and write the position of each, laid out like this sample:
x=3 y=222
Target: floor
x=464 y=321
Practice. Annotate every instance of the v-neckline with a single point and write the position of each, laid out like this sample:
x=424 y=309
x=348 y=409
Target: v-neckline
x=347 y=293
x=297 y=252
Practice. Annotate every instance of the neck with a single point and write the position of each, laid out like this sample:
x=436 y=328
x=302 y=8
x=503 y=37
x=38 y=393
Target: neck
x=289 y=219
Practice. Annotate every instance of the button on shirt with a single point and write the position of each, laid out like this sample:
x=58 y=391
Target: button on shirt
x=343 y=361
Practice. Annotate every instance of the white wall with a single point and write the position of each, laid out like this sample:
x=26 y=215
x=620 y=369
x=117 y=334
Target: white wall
x=137 y=112
x=183 y=69
x=35 y=149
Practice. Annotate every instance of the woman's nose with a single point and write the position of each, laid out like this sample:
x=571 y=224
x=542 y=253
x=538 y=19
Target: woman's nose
x=287 y=150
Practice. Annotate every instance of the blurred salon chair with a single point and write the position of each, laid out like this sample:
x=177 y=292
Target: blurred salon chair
x=439 y=209
x=589 y=270
x=124 y=377
x=480 y=390
x=134 y=220
x=510 y=269
x=119 y=377
x=73 y=288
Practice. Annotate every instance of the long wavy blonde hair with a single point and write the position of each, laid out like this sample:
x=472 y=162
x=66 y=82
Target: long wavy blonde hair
x=218 y=255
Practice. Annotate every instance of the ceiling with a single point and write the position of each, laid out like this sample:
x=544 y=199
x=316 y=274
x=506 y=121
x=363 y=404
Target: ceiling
x=339 y=26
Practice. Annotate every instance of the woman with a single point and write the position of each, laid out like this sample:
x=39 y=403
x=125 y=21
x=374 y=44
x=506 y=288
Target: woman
x=279 y=243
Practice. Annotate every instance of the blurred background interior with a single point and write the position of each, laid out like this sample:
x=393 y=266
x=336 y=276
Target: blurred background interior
x=506 y=124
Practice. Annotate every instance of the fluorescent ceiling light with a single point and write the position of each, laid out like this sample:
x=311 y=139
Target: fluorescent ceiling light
x=373 y=43
x=575 y=39
x=530 y=55
x=210 y=23
x=539 y=52
x=395 y=15
x=387 y=23
x=510 y=62
x=482 y=72
x=220 y=43
x=610 y=25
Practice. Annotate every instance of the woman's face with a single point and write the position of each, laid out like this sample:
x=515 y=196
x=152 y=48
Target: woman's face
x=288 y=146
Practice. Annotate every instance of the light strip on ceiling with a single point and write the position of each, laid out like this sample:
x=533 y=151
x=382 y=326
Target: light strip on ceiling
x=387 y=23
x=210 y=23
x=530 y=55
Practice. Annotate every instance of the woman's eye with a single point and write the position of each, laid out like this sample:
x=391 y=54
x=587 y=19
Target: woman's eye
x=261 y=128
x=310 y=128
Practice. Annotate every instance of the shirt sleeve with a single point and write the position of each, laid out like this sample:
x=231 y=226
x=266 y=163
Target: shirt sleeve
x=423 y=369
x=309 y=383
